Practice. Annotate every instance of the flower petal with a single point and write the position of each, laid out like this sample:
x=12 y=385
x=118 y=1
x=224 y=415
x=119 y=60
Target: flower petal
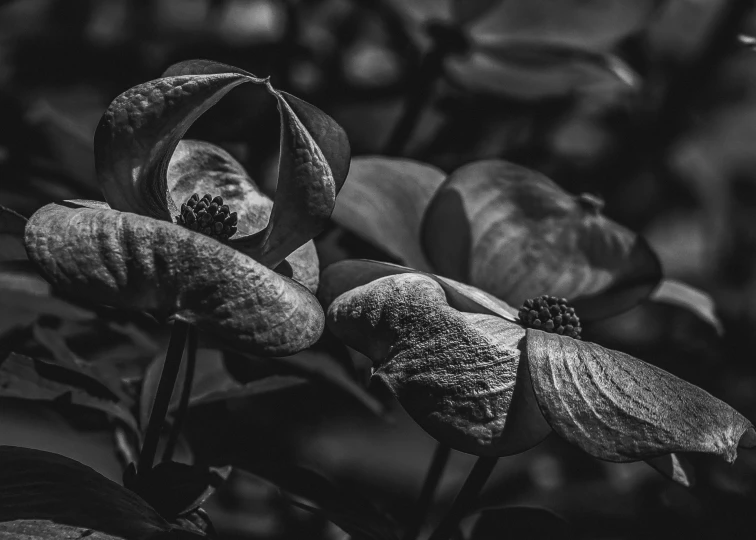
x=618 y=408
x=201 y=167
x=515 y=234
x=343 y=276
x=383 y=201
x=139 y=131
x=455 y=373
x=136 y=262
x=681 y=294
x=314 y=162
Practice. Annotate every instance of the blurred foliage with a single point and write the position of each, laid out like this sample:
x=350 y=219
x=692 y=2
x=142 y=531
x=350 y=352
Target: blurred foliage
x=653 y=111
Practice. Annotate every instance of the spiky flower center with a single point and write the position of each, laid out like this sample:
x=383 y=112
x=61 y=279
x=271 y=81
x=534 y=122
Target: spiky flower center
x=550 y=314
x=209 y=216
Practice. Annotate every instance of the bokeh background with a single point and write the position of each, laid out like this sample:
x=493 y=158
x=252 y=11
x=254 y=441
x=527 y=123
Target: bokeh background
x=649 y=104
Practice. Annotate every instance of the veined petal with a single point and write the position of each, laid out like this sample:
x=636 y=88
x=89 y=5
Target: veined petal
x=455 y=373
x=200 y=167
x=618 y=408
x=136 y=262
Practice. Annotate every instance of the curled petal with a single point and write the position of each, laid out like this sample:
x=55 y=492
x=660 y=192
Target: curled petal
x=135 y=262
x=140 y=130
x=455 y=373
x=618 y=408
x=201 y=167
x=515 y=234
x=343 y=276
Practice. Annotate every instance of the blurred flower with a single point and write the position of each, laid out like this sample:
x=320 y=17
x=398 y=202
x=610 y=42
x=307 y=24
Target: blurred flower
x=155 y=246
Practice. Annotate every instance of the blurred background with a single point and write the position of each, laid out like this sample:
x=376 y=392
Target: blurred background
x=649 y=104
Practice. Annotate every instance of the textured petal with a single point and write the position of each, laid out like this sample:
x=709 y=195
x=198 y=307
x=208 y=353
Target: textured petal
x=201 y=167
x=515 y=234
x=455 y=373
x=383 y=202
x=343 y=276
x=139 y=131
x=132 y=261
x=618 y=408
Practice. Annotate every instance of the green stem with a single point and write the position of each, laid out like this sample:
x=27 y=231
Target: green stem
x=465 y=499
x=163 y=396
x=186 y=393
x=432 y=479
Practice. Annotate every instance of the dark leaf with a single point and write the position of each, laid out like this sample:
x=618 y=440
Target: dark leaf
x=319 y=368
x=455 y=373
x=12 y=227
x=683 y=295
x=22 y=377
x=38 y=486
x=521 y=523
x=351 y=512
x=515 y=234
x=618 y=408
x=383 y=202
x=136 y=262
x=175 y=489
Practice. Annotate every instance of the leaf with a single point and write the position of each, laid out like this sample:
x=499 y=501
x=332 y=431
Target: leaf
x=455 y=373
x=134 y=262
x=11 y=235
x=41 y=491
x=618 y=408
x=24 y=296
x=212 y=383
x=28 y=378
x=343 y=276
x=521 y=523
x=174 y=489
x=593 y=25
x=467 y=11
x=515 y=234
x=383 y=202
x=354 y=514
x=313 y=366
x=675 y=467
x=699 y=303
x=532 y=71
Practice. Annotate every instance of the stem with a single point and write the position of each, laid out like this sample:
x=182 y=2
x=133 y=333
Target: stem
x=465 y=499
x=186 y=393
x=163 y=396
x=420 y=91
x=435 y=472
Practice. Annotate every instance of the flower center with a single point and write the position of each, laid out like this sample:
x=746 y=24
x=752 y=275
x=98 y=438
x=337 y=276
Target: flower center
x=209 y=216
x=550 y=314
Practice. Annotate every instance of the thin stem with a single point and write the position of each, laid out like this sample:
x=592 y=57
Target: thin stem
x=420 y=91
x=163 y=396
x=186 y=393
x=432 y=479
x=465 y=499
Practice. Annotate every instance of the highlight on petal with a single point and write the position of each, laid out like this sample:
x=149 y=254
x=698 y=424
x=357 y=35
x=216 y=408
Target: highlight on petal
x=383 y=202
x=677 y=293
x=343 y=276
x=515 y=234
x=142 y=127
x=455 y=373
x=618 y=408
x=134 y=262
x=201 y=167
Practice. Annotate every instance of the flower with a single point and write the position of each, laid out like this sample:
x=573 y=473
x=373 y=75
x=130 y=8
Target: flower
x=138 y=251
x=468 y=372
x=509 y=231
